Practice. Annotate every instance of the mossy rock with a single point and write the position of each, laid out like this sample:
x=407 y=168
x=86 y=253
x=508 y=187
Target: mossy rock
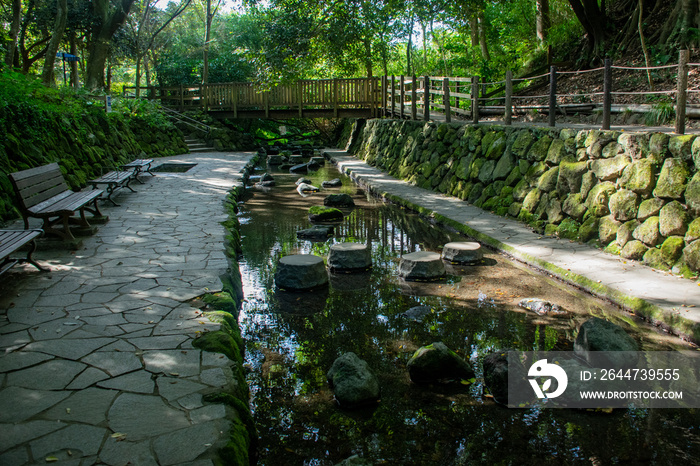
x=611 y=150
x=634 y=144
x=672 y=179
x=522 y=144
x=324 y=214
x=505 y=166
x=673 y=219
x=538 y=151
x=514 y=177
x=639 y=177
x=573 y=206
x=623 y=205
x=607 y=229
x=486 y=171
x=649 y=208
x=497 y=147
x=532 y=200
x=557 y=152
x=691 y=255
x=693 y=233
x=692 y=195
x=568 y=229
x=514 y=209
x=658 y=146
x=599 y=197
x=634 y=250
x=625 y=231
x=588 y=181
x=648 y=232
x=588 y=230
x=610 y=169
x=219 y=342
x=570 y=177
x=681 y=146
x=695 y=153
x=548 y=181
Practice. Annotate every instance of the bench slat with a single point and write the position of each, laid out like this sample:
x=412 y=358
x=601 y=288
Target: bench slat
x=17 y=176
x=72 y=202
x=12 y=240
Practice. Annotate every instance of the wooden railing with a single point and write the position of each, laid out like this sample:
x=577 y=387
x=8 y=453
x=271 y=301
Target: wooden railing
x=430 y=97
x=323 y=97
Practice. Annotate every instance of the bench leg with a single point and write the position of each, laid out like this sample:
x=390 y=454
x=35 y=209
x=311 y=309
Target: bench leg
x=110 y=191
x=31 y=260
x=94 y=210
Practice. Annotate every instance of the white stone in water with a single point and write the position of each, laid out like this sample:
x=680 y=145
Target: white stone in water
x=349 y=256
x=464 y=252
x=422 y=265
x=301 y=272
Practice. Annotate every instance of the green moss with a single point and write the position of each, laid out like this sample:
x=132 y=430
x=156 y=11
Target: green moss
x=219 y=342
x=568 y=229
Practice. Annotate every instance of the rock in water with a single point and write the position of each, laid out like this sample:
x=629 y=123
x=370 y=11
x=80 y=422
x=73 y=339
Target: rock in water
x=598 y=338
x=301 y=272
x=320 y=232
x=540 y=306
x=338 y=200
x=421 y=265
x=417 y=313
x=353 y=382
x=436 y=362
x=306 y=188
x=334 y=183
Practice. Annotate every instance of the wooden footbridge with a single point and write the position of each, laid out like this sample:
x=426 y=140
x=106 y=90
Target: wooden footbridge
x=426 y=97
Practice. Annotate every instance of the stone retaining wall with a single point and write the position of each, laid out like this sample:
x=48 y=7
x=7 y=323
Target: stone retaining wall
x=634 y=194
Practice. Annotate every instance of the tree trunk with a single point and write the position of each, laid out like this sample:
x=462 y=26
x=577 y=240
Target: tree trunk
x=207 y=38
x=474 y=30
x=13 y=32
x=56 y=37
x=425 y=46
x=368 y=56
x=74 y=77
x=482 y=37
x=106 y=25
x=594 y=21
x=409 y=48
x=542 y=20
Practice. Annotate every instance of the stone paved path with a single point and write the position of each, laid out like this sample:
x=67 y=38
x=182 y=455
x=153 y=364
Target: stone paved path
x=96 y=360
x=579 y=264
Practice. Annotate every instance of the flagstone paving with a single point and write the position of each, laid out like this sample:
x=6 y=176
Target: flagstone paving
x=102 y=344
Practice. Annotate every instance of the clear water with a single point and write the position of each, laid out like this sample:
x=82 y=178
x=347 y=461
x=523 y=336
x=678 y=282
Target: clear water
x=293 y=339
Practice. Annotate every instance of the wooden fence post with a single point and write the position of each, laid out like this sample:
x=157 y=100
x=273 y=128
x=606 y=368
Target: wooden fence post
x=335 y=97
x=475 y=99
x=509 y=98
x=393 y=95
x=682 y=94
x=300 y=96
x=402 y=95
x=414 y=103
x=426 y=98
x=383 y=95
x=446 y=99
x=553 y=96
x=607 y=93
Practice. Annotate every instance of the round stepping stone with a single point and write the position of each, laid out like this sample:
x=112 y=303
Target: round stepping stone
x=301 y=272
x=349 y=257
x=296 y=159
x=422 y=265
x=463 y=252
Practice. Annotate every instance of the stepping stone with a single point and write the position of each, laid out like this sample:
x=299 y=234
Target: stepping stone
x=274 y=160
x=334 y=183
x=349 y=257
x=422 y=265
x=318 y=160
x=338 y=200
x=301 y=272
x=295 y=159
x=463 y=252
x=318 y=232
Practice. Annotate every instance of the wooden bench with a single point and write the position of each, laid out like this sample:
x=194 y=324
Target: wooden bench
x=139 y=166
x=11 y=241
x=114 y=180
x=42 y=193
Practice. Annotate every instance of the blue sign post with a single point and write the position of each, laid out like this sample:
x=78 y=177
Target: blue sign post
x=66 y=57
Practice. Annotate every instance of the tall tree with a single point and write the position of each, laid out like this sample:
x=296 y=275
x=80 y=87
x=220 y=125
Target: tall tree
x=13 y=32
x=594 y=20
x=542 y=20
x=56 y=38
x=108 y=18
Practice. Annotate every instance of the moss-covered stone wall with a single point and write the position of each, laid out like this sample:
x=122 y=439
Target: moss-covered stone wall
x=634 y=194
x=83 y=147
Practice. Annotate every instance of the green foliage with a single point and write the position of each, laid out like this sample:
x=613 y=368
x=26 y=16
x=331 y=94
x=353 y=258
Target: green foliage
x=660 y=113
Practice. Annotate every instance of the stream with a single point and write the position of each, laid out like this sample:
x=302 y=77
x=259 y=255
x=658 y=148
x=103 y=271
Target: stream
x=294 y=337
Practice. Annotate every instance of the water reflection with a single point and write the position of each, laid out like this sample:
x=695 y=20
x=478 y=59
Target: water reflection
x=293 y=338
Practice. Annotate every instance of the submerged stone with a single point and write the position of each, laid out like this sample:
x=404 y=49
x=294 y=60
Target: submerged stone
x=338 y=200
x=320 y=232
x=436 y=362
x=417 y=313
x=541 y=307
x=334 y=183
x=353 y=382
x=319 y=213
x=597 y=335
